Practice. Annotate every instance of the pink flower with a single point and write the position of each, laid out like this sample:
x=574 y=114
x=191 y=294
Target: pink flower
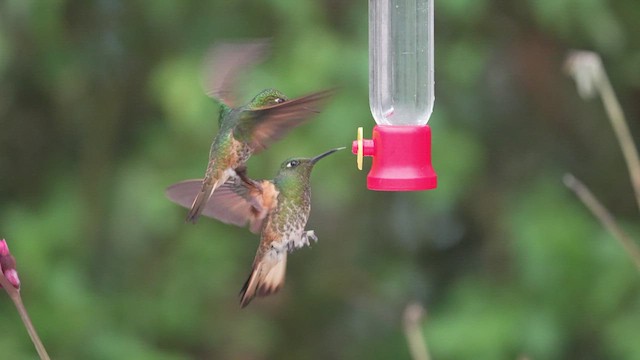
x=4 y=249
x=8 y=265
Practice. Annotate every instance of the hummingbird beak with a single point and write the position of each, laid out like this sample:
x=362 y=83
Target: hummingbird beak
x=315 y=159
x=313 y=111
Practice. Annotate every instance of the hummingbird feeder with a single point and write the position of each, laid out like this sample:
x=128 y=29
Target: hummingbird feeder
x=401 y=96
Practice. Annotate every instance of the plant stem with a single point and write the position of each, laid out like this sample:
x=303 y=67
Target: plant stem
x=621 y=129
x=14 y=294
x=413 y=314
x=605 y=217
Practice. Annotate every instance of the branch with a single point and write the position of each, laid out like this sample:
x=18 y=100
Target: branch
x=605 y=217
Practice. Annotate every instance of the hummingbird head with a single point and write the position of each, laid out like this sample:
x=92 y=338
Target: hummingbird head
x=300 y=168
x=267 y=97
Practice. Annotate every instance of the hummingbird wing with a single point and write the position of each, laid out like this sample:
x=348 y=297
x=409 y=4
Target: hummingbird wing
x=225 y=61
x=235 y=202
x=262 y=127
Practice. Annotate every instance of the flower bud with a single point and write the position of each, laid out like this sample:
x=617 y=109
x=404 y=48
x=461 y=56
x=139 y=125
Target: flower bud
x=8 y=265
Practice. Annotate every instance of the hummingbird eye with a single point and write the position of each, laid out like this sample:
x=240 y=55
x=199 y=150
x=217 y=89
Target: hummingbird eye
x=279 y=100
x=293 y=163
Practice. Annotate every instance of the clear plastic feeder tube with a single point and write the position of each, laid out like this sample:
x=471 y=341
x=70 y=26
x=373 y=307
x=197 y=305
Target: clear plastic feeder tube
x=401 y=61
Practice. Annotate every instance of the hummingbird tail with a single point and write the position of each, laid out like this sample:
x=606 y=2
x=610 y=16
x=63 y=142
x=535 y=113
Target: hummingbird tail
x=200 y=202
x=267 y=277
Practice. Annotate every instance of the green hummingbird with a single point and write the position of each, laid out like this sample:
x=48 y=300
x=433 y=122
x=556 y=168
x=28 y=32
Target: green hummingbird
x=246 y=129
x=278 y=209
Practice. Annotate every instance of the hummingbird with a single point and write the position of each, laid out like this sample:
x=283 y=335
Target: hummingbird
x=245 y=129
x=278 y=209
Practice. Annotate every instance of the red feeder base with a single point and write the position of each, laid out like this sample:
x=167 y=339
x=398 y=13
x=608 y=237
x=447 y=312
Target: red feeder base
x=401 y=158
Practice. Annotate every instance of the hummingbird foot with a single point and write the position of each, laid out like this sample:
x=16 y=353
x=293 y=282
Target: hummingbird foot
x=303 y=241
x=310 y=235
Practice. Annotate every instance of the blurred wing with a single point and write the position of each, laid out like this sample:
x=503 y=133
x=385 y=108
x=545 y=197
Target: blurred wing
x=234 y=202
x=262 y=127
x=225 y=62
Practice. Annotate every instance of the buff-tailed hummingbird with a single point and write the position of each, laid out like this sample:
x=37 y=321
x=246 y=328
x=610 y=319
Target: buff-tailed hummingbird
x=245 y=129
x=278 y=209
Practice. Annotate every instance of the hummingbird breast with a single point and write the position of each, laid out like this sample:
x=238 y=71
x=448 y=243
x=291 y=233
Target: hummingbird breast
x=286 y=224
x=240 y=153
x=228 y=153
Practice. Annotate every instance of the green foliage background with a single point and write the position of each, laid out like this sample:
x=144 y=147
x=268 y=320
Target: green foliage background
x=101 y=108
